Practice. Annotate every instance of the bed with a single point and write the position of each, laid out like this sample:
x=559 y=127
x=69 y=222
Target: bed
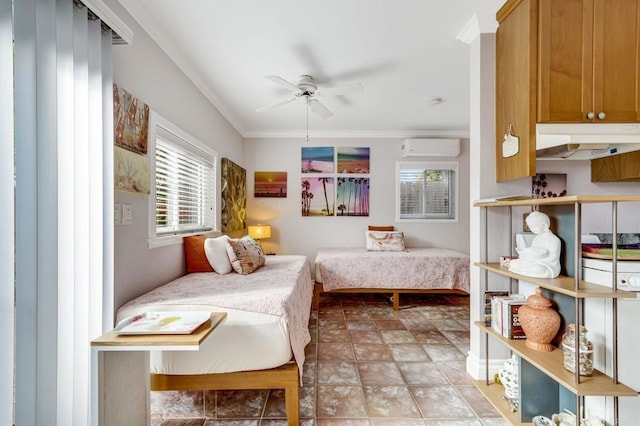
x=413 y=270
x=260 y=344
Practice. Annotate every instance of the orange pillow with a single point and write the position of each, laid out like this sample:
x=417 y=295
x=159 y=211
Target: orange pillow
x=195 y=255
x=381 y=228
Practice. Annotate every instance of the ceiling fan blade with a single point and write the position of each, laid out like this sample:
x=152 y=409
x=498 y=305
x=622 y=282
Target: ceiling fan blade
x=277 y=104
x=282 y=82
x=319 y=109
x=347 y=89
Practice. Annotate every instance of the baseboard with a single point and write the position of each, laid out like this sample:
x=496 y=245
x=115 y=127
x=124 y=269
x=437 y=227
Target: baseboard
x=476 y=366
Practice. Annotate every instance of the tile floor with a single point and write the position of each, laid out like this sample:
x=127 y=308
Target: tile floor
x=366 y=365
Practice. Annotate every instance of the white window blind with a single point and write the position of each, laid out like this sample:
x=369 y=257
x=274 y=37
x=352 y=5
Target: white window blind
x=185 y=187
x=427 y=191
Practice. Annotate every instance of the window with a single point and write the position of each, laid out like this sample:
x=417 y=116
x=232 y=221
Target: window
x=184 y=190
x=426 y=191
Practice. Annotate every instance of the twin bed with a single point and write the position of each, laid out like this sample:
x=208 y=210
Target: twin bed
x=261 y=343
x=414 y=270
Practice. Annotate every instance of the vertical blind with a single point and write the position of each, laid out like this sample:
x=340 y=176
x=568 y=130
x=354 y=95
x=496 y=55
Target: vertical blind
x=184 y=189
x=60 y=57
x=427 y=193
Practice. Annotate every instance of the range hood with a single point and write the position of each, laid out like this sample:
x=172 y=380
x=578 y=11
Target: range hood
x=586 y=141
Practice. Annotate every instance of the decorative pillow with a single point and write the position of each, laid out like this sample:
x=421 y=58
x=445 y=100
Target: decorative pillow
x=381 y=228
x=385 y=241
x=245 y=255
x=216 y=251
x=194 y=254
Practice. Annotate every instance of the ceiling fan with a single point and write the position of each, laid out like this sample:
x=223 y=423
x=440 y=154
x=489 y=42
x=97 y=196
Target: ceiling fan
x=309 y=91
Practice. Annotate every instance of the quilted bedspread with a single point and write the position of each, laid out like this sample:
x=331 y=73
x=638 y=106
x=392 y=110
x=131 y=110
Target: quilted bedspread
x=415 y=268
x=281 y=287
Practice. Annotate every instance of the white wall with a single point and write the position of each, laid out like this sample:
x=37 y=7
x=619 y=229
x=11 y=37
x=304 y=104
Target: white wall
x=293 y=233
x=144 y=70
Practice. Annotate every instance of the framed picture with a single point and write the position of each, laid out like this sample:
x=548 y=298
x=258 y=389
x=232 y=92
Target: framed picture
x=270 y=184
x=353 y=160
x=317 y=196
x=317 y=159
x=130 y=121
x=352 y=196
x=234 y=196
x=130 y=171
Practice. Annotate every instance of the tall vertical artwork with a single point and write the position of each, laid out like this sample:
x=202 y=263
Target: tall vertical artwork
x=234 y=196
x=353 y=196
x=317 y=196
x=130 y=120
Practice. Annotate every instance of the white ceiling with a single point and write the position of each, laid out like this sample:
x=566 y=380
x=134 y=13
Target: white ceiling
x=404 y=53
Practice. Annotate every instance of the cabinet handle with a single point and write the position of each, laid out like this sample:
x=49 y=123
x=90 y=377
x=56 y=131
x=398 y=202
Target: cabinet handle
x=591 y=115
x=602 y=115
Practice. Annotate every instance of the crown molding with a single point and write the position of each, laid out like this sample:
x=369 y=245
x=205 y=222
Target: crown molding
x=478 y=24
x=355 y=134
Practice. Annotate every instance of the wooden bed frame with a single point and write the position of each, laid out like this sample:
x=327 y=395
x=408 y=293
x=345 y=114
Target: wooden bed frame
x=284 y=377
x=395 y=293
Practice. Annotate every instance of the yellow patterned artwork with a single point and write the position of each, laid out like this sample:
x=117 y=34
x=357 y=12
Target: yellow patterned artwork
x=234 y=196
x=131 y=171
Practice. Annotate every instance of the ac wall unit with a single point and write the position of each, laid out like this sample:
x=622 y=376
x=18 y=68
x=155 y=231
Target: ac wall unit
x=430 y=147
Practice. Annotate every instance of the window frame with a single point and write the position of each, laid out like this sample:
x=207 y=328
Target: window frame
x=160 y=126
x=429 y=165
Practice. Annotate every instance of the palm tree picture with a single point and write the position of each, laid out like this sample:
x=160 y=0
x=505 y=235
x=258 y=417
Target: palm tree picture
x=317 y=196
x=353 y=196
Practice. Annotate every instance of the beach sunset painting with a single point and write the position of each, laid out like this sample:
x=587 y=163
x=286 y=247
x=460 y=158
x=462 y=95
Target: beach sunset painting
x=270 y=184
x=353 y=160
x=317 y=159
x=317 y=196
x=353 y=196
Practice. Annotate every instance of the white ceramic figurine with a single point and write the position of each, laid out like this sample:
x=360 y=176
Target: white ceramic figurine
x=542 y=258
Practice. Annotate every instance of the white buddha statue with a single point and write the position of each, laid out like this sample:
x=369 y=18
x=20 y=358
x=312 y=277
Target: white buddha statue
x=542 y=258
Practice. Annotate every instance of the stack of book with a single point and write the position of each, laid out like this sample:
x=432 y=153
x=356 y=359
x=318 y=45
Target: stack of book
x=501 y=313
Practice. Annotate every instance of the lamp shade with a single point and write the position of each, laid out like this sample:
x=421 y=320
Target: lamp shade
x=259 y=232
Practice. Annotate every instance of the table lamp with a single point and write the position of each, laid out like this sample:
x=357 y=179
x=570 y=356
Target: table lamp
x=259 y=232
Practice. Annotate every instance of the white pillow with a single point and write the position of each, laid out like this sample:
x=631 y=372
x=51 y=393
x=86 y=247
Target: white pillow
x=385 y=241
x=216 y=251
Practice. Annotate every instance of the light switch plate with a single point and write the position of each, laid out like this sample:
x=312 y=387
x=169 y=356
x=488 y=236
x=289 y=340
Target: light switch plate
x=127 y=214
x=117 y=214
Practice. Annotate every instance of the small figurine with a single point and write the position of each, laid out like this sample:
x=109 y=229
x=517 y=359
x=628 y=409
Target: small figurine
x=542 y=258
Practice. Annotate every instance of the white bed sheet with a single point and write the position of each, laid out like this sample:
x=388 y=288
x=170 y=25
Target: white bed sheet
x=243 y=341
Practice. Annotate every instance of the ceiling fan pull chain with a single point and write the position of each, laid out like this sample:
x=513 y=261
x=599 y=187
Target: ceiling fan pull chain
x=307 y=98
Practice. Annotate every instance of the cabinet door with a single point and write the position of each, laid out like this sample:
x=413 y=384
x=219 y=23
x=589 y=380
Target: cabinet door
x=565 y=92
x=515 y=87
x=615 y=60
x=588 y=55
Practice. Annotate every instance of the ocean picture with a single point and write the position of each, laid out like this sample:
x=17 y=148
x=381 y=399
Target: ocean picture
x=353 y=196
x=317 y=196
x=317 y=159
x=353 y=160
x=270 y=184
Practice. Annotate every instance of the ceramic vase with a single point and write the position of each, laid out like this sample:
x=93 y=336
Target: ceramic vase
x=539 y=321
x=509 y=377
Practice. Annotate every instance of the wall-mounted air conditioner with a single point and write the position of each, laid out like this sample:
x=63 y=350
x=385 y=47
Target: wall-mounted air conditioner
x=430 y=147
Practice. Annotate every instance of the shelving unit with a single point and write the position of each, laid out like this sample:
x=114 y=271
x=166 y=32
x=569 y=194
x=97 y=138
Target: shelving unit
x=545 y=386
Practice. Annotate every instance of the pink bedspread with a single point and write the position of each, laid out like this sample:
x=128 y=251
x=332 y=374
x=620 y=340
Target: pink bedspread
x=416 y=268
x=281 y=287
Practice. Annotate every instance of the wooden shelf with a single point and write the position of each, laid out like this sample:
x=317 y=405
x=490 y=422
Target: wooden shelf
x=562 y=284
x=570 y=199
x=184 y=340
x=550 y=363
x=493 y=393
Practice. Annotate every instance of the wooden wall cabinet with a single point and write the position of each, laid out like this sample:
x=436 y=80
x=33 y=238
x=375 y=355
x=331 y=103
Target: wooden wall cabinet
x=571 y=61
x=588 y=54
